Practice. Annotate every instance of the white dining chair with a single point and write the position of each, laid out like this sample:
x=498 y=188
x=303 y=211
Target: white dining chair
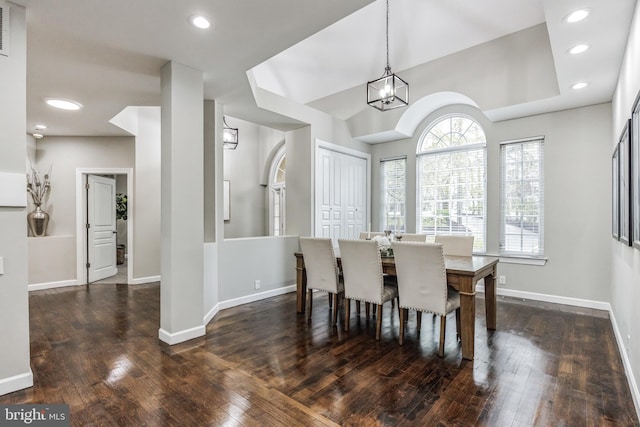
x=370 y=234
x=322 y=271
x=455 y=245
x=422 y=285
x=363 y=278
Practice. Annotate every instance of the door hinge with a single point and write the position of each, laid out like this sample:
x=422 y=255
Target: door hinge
x=88 y=265
x=88 y=226
x=86 y=186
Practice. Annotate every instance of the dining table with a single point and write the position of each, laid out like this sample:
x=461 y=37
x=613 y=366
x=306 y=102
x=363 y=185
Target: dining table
x=463 y=274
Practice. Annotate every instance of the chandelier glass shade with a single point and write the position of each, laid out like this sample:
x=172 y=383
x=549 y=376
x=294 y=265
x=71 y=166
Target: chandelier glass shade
x=229 y=136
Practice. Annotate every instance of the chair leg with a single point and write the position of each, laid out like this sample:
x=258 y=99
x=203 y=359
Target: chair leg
x=379 y=322
x=367 y=309
x=443 y=326
x=418 y=321
x=347 y=308
x=335 y=308
x=309 y=305
x=458 y=323
x=330 y=298
x=358 y=308
x=402 y=320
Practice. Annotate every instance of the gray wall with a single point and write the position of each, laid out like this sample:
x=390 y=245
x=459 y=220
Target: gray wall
x=625 y=278
x=15 y=372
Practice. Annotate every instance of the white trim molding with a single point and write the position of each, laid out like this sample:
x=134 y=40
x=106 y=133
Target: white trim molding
x=52 y=285
x=182 y=336
x=16 y=382
x=633 y=386
x=143 y=280
x=576 y=302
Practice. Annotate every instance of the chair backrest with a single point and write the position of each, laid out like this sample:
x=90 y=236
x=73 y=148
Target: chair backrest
x=422 y=276
x=361 y=270
x=414 y=238
x=455 y=245
x=320 y=263
x=370 y=234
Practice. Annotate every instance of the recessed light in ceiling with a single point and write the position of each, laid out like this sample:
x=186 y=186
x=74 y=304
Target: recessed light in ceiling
x=577 y=15
x=199 y=21
x=579 y=48
x=40 y=127
x=37 y=135
x=64 y=104
x=579 y=85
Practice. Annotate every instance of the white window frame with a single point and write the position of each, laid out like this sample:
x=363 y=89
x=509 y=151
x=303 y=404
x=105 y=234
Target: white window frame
x=521 y=252
x=277 y=190
x=480 y=244
x=385 y=203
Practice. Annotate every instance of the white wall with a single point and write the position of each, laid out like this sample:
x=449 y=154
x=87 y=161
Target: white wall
x=15 y=371
x=625 y=278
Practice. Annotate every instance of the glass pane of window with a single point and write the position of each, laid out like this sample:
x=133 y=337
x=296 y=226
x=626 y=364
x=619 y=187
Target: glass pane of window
x=522 y=195
x=393 y=175
x=451 y=183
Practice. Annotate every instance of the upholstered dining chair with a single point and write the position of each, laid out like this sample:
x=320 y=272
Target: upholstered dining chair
x=322 y=271
x=363 y=278
x=422 y=285
x=455 y=245
x=370 y=234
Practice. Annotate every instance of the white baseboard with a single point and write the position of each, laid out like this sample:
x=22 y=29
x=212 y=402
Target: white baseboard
x=52 y=285
x=15 y=383
x=182 y=336
x=633 y=386
x=143 y=280
x=211 y=314
x=576 y=302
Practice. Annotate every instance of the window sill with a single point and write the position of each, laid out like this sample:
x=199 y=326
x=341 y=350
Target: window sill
x=510 y=259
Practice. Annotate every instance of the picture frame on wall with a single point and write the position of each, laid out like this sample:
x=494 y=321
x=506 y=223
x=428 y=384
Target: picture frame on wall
x=635 y=174
x=624 y=186
x=615 y=193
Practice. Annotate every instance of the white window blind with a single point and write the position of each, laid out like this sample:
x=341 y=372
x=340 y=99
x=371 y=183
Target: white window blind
x=522 y=197
x=451 y=185
x=393 y=173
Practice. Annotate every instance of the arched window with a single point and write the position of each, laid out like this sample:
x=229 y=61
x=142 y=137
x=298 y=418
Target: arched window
x=451 y=179
x=277 y=194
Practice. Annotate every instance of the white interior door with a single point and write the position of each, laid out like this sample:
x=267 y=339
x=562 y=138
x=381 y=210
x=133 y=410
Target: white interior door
x=101 y=227
x=341 y=194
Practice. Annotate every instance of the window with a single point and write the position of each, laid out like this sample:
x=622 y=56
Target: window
x=393 y=176
x=522 y=197
x=277 y=204
x=451 y=180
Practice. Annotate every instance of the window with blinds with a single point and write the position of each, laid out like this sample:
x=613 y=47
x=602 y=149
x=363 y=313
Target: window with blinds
x=451 y=180
x=393 y=173
x=522 y=197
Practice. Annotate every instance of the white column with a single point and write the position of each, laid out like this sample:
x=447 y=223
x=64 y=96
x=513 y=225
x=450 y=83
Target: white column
x=182 y=205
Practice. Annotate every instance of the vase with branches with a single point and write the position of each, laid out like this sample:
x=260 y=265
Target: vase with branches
x=38 y=187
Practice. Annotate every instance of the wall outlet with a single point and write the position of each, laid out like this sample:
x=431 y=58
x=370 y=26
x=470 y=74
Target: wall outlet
x=502 y=280
x=256 y=284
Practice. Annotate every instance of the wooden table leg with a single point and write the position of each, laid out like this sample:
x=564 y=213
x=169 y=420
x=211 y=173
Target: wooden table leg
x=467 y=321
x=490 y=300
x=301 y=285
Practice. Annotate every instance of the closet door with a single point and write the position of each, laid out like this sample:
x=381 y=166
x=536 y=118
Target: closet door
x=341 y=194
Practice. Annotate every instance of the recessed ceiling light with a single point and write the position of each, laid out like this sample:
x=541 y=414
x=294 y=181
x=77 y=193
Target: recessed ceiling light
x=37 y=135
x=64 y=104
x=40 y=127
x=579 y=85
x=579 y=48
x=199 y=21
x=577 y=15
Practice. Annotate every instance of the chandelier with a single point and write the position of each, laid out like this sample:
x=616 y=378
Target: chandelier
x=389 y=91
x=229 y=135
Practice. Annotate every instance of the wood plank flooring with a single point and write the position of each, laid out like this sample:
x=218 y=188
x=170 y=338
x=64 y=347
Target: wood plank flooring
x=261 y=364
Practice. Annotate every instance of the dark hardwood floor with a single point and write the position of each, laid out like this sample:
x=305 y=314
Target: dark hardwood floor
x=261 y=364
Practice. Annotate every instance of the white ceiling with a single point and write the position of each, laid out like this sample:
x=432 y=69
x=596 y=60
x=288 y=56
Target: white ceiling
x=107 y=55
